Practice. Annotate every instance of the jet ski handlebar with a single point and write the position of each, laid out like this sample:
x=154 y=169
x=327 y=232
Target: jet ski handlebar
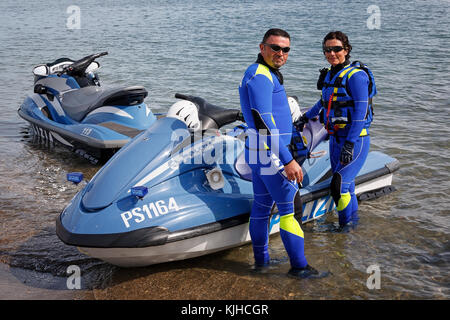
x=79 y=66
x=183 y=96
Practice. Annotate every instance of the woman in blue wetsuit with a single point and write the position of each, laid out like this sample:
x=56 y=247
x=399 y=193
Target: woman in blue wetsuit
x=346 y=112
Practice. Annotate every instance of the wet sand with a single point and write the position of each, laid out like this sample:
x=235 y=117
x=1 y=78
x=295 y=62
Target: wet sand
x=226 y=275
x=12 y=288
x=37 y=270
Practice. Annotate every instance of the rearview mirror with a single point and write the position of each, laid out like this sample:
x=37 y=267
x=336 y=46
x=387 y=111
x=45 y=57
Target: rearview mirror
x=296 y=113
x=41 y=70
x=93 y=66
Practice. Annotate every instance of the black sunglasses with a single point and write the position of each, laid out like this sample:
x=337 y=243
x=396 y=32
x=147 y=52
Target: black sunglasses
x=335 y=49
x=277 y=48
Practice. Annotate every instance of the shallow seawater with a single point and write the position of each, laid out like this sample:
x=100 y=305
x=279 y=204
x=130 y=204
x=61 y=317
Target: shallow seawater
x=202 y=48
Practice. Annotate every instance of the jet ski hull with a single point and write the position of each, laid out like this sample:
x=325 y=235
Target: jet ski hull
x=184 y=212
x=97 y=137
x=201 y=240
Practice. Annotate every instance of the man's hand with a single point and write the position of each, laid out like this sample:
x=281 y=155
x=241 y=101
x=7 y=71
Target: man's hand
x=294 y=171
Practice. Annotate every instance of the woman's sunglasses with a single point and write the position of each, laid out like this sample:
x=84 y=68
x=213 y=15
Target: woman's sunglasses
x=335 y=49
x=277 y=48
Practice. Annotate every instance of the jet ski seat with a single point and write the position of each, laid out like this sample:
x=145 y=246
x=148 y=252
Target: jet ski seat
x=215 y=117
x=212 y=116
x=78 y=103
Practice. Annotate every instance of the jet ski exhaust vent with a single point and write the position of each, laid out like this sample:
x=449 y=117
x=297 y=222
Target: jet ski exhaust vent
x=375 y=194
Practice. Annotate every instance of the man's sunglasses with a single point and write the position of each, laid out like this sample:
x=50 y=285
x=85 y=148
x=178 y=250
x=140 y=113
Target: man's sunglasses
x=277 y=48
x=335 y=49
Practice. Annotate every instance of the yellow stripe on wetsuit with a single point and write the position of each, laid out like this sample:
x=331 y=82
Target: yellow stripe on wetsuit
x=290 y=224
x=344 y=200
x=262 y=69
x=353 y=72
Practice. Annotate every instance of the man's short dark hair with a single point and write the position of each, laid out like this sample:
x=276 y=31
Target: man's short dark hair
x=276 y=32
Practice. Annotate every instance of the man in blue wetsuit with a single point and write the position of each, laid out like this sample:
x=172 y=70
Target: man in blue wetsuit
x=346 y=111
x=275 y=174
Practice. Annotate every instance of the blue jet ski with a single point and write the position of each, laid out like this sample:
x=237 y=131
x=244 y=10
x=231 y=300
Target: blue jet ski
x=175 y=192
x=69 y=106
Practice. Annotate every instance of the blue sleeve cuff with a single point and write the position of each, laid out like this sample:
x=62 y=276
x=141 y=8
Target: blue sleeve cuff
x=314 y=111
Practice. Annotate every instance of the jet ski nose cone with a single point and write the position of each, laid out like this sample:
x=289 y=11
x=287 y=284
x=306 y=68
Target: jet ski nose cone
x=131 y=164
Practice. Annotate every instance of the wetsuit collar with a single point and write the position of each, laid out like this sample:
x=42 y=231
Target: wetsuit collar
x=335 y=69
x=277 y=72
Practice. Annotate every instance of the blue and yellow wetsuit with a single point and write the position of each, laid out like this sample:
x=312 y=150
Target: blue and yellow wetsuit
x=346 y=114
x=266 y=111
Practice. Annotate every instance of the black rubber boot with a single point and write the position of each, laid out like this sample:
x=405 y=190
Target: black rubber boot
x=307 y=272
x=261 y=268
x=265 y=267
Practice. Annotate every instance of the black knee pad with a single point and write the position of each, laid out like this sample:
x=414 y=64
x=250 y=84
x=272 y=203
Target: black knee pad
x=335 y=187
x=298 y=206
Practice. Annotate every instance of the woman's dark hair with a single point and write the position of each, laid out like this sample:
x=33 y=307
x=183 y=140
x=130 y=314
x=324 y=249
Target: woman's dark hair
x=339 y=35
x=276 y=32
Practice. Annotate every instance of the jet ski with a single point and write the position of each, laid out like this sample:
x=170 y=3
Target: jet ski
x=182 y=189
x=69 y=106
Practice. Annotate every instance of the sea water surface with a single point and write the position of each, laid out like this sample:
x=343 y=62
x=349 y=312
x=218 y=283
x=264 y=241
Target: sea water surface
x=203 y=48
